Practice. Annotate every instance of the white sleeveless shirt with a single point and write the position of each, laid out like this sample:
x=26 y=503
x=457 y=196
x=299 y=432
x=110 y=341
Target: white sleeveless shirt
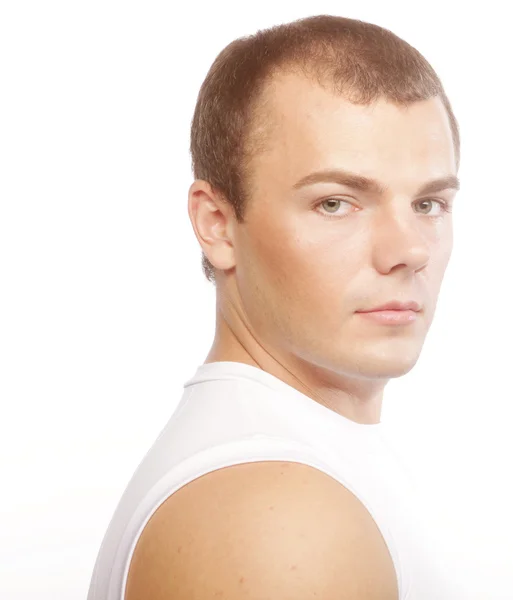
x=232 y=413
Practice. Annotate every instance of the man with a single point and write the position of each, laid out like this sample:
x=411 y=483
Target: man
x=325 y=156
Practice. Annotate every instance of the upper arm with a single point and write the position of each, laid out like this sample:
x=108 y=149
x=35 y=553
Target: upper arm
x=262 y=530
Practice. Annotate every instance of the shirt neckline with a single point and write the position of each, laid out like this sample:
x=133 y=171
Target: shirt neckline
x=213 y=370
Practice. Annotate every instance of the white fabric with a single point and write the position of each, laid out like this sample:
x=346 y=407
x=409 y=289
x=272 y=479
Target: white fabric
x=232 y=413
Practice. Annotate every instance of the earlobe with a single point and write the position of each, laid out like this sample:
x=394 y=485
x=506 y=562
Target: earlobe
x=209 y=216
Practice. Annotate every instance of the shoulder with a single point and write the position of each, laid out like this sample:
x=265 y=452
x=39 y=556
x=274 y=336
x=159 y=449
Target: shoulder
x=264 y=529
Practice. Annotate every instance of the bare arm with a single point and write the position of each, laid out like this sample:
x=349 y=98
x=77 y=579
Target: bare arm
x=266 y=530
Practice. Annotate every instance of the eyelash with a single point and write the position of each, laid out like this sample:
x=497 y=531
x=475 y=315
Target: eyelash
x=446 y=208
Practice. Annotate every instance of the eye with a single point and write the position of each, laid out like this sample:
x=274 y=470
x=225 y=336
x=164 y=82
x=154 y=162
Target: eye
x=331 y=206
x=427 y=204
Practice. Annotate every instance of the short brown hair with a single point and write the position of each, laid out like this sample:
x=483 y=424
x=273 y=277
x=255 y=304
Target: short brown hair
x=360 y=61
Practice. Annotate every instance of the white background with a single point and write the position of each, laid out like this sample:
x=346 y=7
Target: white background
x=104 y=308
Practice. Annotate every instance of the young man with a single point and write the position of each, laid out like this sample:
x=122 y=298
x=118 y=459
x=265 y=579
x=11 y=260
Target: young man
x=325 y=156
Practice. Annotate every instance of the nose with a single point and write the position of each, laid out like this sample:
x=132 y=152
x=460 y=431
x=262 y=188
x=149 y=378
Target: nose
x=400 y=241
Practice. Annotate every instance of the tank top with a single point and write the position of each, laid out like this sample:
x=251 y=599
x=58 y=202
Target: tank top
x=232 y=413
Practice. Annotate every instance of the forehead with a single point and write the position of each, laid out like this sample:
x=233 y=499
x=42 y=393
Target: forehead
x=309 y=127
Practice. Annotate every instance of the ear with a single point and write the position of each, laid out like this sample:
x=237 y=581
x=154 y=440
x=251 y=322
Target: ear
x=211 y=218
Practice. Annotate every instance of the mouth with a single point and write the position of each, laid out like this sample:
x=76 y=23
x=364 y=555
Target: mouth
x=396 y=306
x=391 y=316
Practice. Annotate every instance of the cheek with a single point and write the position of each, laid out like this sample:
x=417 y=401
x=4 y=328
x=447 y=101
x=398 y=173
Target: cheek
x=288 y=258
x=441 y=252
x=302 y=272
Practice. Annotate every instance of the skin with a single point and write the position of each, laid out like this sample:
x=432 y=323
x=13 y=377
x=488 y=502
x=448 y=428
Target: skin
x=289 y=279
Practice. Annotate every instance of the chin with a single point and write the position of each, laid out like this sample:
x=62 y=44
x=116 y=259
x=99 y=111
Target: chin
x=391 y=371
x=389 y=365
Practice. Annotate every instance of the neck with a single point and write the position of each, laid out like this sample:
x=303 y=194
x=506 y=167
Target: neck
x=355 y=398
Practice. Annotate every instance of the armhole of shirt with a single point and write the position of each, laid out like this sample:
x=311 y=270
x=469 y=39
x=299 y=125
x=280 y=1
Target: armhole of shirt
x=255 y=449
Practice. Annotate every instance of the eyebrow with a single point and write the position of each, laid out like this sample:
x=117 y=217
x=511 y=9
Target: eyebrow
x=366 y=184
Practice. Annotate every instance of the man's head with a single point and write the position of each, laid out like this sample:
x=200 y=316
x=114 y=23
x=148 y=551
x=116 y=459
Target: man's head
x=339 y=96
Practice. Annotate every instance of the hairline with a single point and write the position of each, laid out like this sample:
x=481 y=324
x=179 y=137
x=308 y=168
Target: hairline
x=258 y=135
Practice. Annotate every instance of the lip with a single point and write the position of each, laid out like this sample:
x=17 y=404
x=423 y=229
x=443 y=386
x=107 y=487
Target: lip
x=391 y=317
x=394 y=305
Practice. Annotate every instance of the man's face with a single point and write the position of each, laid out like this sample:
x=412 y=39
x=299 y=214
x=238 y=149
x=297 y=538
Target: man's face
x=309 y=257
